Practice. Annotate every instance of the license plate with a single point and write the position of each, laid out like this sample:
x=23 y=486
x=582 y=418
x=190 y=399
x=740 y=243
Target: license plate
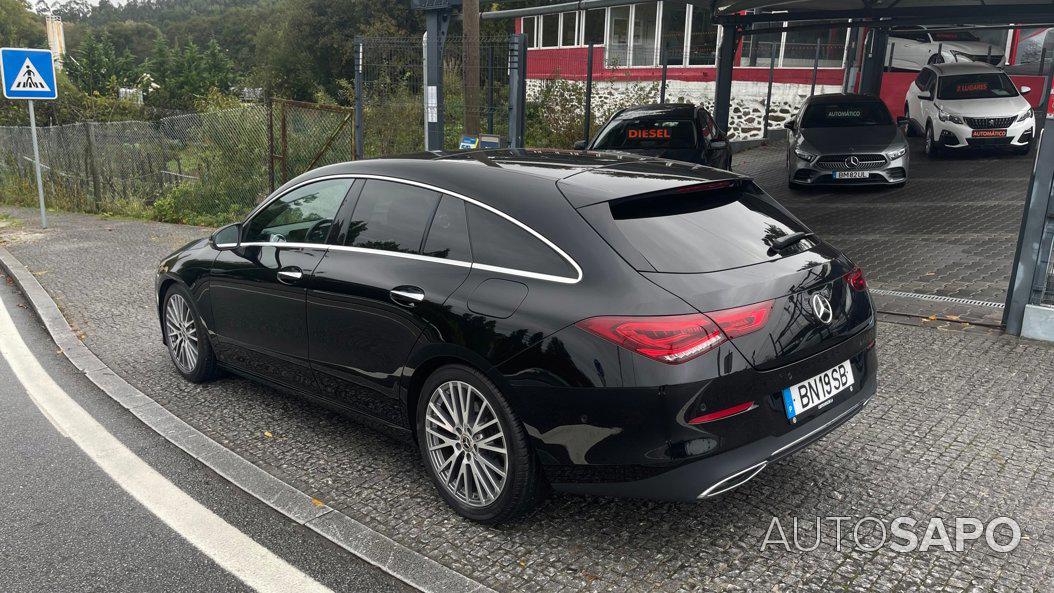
x=818 y=391
x=851 y=174
x=989 y=133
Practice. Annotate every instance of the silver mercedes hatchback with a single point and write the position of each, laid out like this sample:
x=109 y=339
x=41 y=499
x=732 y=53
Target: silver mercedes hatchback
x=846 y=139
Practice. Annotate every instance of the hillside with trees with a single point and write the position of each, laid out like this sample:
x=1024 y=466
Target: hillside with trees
x=179 y=52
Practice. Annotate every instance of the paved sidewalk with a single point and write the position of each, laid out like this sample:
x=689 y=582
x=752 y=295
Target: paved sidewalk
x=961 y=426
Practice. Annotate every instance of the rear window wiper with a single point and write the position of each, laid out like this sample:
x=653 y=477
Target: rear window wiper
x=781 y=243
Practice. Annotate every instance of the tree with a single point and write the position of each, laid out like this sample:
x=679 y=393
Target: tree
x=19 y=27
x=96 y=68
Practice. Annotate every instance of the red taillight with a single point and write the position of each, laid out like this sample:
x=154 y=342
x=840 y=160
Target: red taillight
x=855 y=280
x=743 y=407
x=679 y=338
x=672 y=339
x=742 y=320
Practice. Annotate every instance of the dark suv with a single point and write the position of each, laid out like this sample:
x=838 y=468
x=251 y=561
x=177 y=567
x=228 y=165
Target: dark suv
x=676 y=131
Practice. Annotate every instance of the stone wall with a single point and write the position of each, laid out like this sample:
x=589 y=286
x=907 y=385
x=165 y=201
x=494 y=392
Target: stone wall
x=748 y=100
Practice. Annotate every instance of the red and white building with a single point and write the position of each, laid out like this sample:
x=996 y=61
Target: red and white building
x=629 y=41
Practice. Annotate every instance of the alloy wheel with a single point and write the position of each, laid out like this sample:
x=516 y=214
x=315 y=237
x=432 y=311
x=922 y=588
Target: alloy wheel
x=182 y=333
x=466 y=444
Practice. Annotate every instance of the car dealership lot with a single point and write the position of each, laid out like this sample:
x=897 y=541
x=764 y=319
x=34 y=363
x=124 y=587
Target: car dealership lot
x=960 y=427
x=951 y=231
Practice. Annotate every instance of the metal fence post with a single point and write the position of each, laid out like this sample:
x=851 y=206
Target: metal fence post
x=359 y=92
x=815 y=67
x=517 y=89
x=490 y=88
x=588 y=115
x=768 y=94
x=285 y=144
x=662 y=85
x=270 y=142
x=93 y=170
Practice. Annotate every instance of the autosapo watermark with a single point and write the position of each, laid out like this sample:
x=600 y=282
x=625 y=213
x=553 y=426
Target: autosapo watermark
x=901 y=534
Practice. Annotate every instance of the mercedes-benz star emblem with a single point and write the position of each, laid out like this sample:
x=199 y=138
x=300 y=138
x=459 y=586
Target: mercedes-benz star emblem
x=822 y=308
x=852 y=162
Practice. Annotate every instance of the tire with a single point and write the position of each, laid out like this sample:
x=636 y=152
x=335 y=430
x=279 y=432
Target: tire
x=443 y=441
x=188 y=345
x=932 y=148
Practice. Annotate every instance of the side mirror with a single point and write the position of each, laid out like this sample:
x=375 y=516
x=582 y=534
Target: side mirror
x=1026 y=90
x=227 y=238
x=925 y=97
x=903 y=121
x=790 y=124
x=580 y=145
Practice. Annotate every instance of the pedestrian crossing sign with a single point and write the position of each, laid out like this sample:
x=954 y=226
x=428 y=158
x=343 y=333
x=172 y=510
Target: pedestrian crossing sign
x=27 y=73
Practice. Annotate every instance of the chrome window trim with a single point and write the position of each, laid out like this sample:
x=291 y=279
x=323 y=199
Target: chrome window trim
x=460 y=263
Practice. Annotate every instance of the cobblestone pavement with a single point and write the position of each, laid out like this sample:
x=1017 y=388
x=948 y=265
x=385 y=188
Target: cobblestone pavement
x=951 y=231
x=961 y=426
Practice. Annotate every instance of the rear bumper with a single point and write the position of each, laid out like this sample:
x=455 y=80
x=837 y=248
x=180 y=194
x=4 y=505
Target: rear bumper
x=716 y=475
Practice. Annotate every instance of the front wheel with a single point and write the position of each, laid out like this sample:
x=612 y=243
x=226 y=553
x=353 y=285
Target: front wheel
x=474 y=448
x=932 y=148
x=188 y=345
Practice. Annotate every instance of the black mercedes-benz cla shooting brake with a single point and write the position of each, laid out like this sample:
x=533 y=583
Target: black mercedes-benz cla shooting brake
x=596 y=323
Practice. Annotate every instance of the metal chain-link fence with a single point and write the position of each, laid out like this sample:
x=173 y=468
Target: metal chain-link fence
x=201 y=168
x=393 y=92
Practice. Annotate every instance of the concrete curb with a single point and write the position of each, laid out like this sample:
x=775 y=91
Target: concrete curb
x=401 y=562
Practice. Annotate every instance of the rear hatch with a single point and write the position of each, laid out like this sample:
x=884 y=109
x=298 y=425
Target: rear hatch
x=711 y=245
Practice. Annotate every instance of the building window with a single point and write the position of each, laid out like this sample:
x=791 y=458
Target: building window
x=569 y=28
x=702 y=41
x=550 y=30
x=528 y=30
x=762 y=49
x=644 y=29
x=674 y=15
x=593 y=31
x=800 y=47
x=618 y=36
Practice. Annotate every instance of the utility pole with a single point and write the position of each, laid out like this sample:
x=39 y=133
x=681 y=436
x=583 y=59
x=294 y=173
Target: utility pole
x=470 y=48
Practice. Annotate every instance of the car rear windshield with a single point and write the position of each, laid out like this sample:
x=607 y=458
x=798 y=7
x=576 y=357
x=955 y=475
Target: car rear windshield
x=641 y=134
x=706 y=230
x=976 y=86
x=845 y=115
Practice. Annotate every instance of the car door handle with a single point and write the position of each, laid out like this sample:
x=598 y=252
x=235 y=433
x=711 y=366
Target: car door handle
x=407 y=296
x=290 y=275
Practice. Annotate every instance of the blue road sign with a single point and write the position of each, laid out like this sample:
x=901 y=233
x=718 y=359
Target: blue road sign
x=27 y=73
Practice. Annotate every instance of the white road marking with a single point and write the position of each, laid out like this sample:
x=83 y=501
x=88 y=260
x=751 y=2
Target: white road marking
x=232 y=550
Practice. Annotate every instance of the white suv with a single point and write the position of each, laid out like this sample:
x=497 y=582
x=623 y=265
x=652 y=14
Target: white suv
x=912 y=48
x=969 y=105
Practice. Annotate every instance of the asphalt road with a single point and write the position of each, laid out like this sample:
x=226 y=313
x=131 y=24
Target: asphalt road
x=68 y=524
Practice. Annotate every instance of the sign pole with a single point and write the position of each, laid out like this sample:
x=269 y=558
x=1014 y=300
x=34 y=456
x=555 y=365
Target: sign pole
x=36 y=165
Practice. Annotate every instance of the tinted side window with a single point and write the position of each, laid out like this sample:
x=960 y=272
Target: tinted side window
x=923 y=79
x=391 y=216
x=303 y=215
x=448 y=235
x=498 y=242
